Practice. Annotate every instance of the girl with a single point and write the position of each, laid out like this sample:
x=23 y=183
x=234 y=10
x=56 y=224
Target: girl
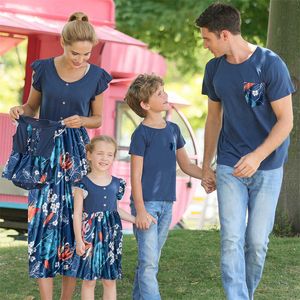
x=65 y=88
x=97 y=223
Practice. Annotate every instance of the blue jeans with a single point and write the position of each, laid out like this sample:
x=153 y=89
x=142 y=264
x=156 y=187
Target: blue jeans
x=150 y=243
x=244 y=241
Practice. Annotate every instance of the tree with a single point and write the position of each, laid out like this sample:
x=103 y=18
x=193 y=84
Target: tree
x=284 y=39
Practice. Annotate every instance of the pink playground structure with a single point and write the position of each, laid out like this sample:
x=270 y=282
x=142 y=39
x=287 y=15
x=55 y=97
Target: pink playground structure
x=40 y=22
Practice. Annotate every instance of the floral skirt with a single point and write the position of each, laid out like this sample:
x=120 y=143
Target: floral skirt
x=102 y=235
x=50 y=208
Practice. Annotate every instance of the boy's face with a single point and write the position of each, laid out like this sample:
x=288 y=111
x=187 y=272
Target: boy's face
x=214 y=43
x=158 y=102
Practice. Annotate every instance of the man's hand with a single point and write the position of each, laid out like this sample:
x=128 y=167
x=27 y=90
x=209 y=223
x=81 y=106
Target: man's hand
x=73 y=121
x=247 y=165
x=208 y=180
x=143 y=220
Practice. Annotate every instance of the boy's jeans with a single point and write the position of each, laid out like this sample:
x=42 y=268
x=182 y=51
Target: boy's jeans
x=244 y=244
x=150 y=243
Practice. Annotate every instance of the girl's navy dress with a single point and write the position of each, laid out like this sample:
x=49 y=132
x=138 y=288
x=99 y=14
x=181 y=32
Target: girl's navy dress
x=101 y=231
x=50 y=206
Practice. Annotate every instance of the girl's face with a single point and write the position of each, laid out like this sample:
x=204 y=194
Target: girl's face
x=102 y=156
x=78 y=53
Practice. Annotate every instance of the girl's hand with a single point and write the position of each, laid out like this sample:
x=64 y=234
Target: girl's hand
x=15 y=112
x=80 y=248
x=74 y=121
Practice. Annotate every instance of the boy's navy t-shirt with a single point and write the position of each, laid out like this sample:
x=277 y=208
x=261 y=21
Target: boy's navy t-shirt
x=158 y=148
x=246 y=91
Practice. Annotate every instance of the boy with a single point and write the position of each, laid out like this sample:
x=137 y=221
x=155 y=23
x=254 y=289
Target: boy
x=155 y=147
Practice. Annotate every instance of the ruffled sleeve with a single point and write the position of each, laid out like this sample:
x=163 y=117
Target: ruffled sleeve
x=103 y=81
x=38 y=68
x=80 y=185
x=121 y=189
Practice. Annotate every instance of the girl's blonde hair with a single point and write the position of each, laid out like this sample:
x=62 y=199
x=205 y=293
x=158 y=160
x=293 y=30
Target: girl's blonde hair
x=78 y=29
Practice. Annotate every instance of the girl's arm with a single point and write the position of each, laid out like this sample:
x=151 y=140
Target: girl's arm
x=94 y=121
x=124 y=215
x=77 y=220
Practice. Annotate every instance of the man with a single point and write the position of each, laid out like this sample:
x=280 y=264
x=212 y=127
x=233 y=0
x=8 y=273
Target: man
x=250 y=117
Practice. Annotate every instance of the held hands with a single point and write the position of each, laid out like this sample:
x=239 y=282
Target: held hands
x=74 y=121
x=80 y=248
x=208 y=180
x=247 y=165
x=15 y=112
x=143 y=220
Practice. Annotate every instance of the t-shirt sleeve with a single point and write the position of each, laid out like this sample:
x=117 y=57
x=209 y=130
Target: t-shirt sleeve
x=80 y=185
x=278 y=80
x=180 y=140
x=207 y=85
x=103 y=81
x=121 y=189
x=138 y=143
x=38 y=69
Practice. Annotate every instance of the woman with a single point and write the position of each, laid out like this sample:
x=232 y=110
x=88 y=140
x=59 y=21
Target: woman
x=64 y=88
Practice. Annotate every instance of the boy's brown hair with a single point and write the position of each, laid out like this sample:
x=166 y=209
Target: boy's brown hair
x=140 y=90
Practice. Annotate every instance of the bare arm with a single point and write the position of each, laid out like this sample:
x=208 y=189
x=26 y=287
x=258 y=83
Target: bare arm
x=211 y=135
x=77 y=220
x=249 y=163
x=94 y=121
x=143 y=219
x=124 y=215
x=30 y=108
x=186 y=165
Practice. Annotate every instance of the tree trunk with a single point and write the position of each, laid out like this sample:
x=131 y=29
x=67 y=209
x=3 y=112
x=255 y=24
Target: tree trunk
x=284 y=39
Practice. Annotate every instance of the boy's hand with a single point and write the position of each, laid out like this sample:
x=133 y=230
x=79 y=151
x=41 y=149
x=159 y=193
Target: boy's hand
x=143 y=220
x=80 y=248
x=208 y=180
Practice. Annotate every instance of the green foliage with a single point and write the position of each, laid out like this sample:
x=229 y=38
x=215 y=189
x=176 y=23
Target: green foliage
x=12 y=73
x=167 y=26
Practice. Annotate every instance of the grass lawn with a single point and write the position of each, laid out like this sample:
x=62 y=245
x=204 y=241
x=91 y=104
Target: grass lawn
x=189 y=270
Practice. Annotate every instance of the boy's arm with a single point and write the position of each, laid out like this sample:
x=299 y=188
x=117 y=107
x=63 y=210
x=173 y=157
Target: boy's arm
x=77 y=220
x=124 y=215
x=143 y=219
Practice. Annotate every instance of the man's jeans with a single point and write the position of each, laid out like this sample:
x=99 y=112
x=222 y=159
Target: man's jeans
x=244 y=243
x=150 y=243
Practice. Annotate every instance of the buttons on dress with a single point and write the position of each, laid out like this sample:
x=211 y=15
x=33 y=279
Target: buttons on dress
x=61 y=118
x=105 y=197
x=67 y=84
x=64 y=102
x=104 y=188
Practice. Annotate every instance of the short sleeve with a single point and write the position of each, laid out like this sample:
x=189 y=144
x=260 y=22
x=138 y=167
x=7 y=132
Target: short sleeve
x=278 y=80
x=121 y=190
x=80 y=185
x=180 y=140
x=207 y=85
x=38 y=69
x=103 y=81
x=138 y=143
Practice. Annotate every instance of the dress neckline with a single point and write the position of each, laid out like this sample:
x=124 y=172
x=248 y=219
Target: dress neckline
x=98 y=185
x=70 y=82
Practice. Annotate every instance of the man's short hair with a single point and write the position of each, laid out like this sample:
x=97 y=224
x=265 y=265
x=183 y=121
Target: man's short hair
x=140 y=90
x=218 y=17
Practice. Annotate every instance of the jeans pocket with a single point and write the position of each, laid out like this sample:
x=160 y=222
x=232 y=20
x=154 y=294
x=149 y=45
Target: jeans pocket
x=254 y=93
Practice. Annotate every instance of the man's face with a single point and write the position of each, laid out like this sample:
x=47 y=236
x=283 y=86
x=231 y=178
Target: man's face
x=214 y=43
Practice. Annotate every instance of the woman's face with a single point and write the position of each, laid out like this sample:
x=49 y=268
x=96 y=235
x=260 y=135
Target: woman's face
x=78 y=53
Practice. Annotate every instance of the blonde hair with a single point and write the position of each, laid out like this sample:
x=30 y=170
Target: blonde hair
x=78 y=29
x=140 y=90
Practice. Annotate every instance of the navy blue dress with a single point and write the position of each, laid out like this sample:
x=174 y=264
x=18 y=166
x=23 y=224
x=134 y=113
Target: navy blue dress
x=101 y=231
x=50 y=208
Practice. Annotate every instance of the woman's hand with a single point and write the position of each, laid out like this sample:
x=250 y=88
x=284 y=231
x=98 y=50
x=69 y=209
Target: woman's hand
x=15 y=112
x=74 y=121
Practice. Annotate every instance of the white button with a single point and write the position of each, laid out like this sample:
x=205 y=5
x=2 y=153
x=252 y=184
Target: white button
x=105 y=197
x=104 y=204
x=61 y=118
x=63 y=102
x=104 y=188
x=67 y=84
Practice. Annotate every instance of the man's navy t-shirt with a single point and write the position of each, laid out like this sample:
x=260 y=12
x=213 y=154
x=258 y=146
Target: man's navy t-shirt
x=246 y=91
x=158 y=148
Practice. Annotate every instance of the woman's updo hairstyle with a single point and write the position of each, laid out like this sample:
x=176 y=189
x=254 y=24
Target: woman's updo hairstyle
x=78 y=29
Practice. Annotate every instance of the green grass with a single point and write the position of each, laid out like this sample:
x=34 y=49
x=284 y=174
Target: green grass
x=189 y=269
